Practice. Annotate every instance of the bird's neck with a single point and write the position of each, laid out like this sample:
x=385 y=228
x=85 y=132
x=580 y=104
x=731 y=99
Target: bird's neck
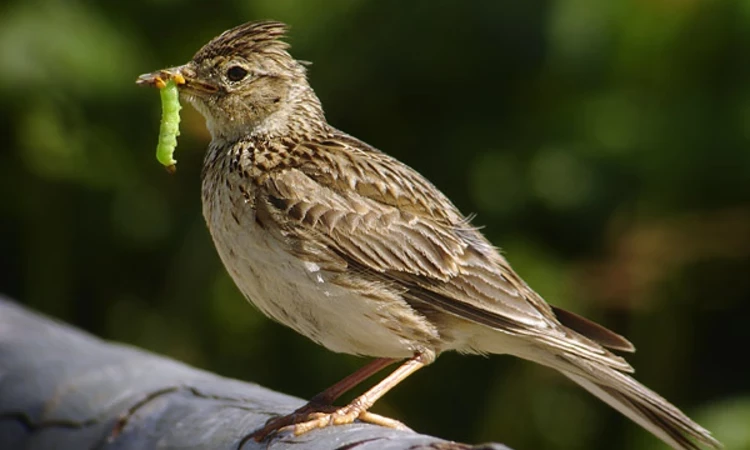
x=300 y=115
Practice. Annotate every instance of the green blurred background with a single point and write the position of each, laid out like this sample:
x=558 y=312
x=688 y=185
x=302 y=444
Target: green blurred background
x=603 y=145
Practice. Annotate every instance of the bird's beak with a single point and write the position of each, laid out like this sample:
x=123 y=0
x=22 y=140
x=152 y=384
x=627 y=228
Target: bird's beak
x=160 y=77
x=183 y=76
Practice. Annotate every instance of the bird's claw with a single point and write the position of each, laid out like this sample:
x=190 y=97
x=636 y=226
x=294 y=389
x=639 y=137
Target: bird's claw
x=311 y=417
x=345 y=416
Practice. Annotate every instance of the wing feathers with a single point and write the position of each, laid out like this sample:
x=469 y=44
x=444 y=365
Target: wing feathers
x=356 y=210
x=593 y=331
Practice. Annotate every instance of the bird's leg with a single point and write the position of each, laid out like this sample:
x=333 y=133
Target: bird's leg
x=357 y=409
x=331 y=394
x=322 y=402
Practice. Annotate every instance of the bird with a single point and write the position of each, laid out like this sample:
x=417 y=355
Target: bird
x=363 y=255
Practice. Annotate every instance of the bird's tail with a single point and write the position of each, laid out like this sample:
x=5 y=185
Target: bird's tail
x=637 y=402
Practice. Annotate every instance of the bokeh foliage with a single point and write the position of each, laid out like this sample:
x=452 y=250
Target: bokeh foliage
x=603 y=145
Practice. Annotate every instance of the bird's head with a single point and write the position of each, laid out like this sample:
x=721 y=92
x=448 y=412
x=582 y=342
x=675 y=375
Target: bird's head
x=244 y=81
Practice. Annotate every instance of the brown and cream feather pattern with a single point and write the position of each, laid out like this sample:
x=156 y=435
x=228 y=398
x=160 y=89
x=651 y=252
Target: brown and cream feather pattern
x=373 y=225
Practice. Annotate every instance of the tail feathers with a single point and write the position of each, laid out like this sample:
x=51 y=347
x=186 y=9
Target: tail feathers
x=641 y=405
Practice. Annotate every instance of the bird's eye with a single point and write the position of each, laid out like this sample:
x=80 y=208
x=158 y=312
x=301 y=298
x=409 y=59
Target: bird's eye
x=236 y=73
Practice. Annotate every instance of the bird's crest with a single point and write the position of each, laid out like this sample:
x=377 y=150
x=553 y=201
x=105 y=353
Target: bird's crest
x=263 y=37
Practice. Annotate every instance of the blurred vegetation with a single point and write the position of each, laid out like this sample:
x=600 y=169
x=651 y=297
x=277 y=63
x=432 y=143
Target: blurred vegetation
x=603 y=145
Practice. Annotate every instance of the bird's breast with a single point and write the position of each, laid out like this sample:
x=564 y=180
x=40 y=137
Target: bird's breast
x=296 y=293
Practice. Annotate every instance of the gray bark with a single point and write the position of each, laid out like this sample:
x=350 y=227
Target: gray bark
x=61 y=388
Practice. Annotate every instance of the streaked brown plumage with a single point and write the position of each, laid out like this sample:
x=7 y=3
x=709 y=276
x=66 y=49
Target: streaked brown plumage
x=363 y=255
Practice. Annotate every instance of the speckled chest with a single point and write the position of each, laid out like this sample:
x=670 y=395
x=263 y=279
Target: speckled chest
x=293 y=292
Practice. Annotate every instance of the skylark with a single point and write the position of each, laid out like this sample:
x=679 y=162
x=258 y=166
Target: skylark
x=361 y=254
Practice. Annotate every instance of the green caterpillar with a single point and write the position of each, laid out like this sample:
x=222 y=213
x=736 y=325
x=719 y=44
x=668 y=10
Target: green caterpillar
x=170 y=124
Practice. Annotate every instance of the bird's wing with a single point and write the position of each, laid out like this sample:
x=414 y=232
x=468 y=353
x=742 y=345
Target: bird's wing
x=381 y=219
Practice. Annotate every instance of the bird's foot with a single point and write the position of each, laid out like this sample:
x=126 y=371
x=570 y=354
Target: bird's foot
x=313 y=416
x=300 y=415
x=343 y=416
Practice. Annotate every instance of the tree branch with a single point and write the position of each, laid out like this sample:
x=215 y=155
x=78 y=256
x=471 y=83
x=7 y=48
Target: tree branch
x=61 y=388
